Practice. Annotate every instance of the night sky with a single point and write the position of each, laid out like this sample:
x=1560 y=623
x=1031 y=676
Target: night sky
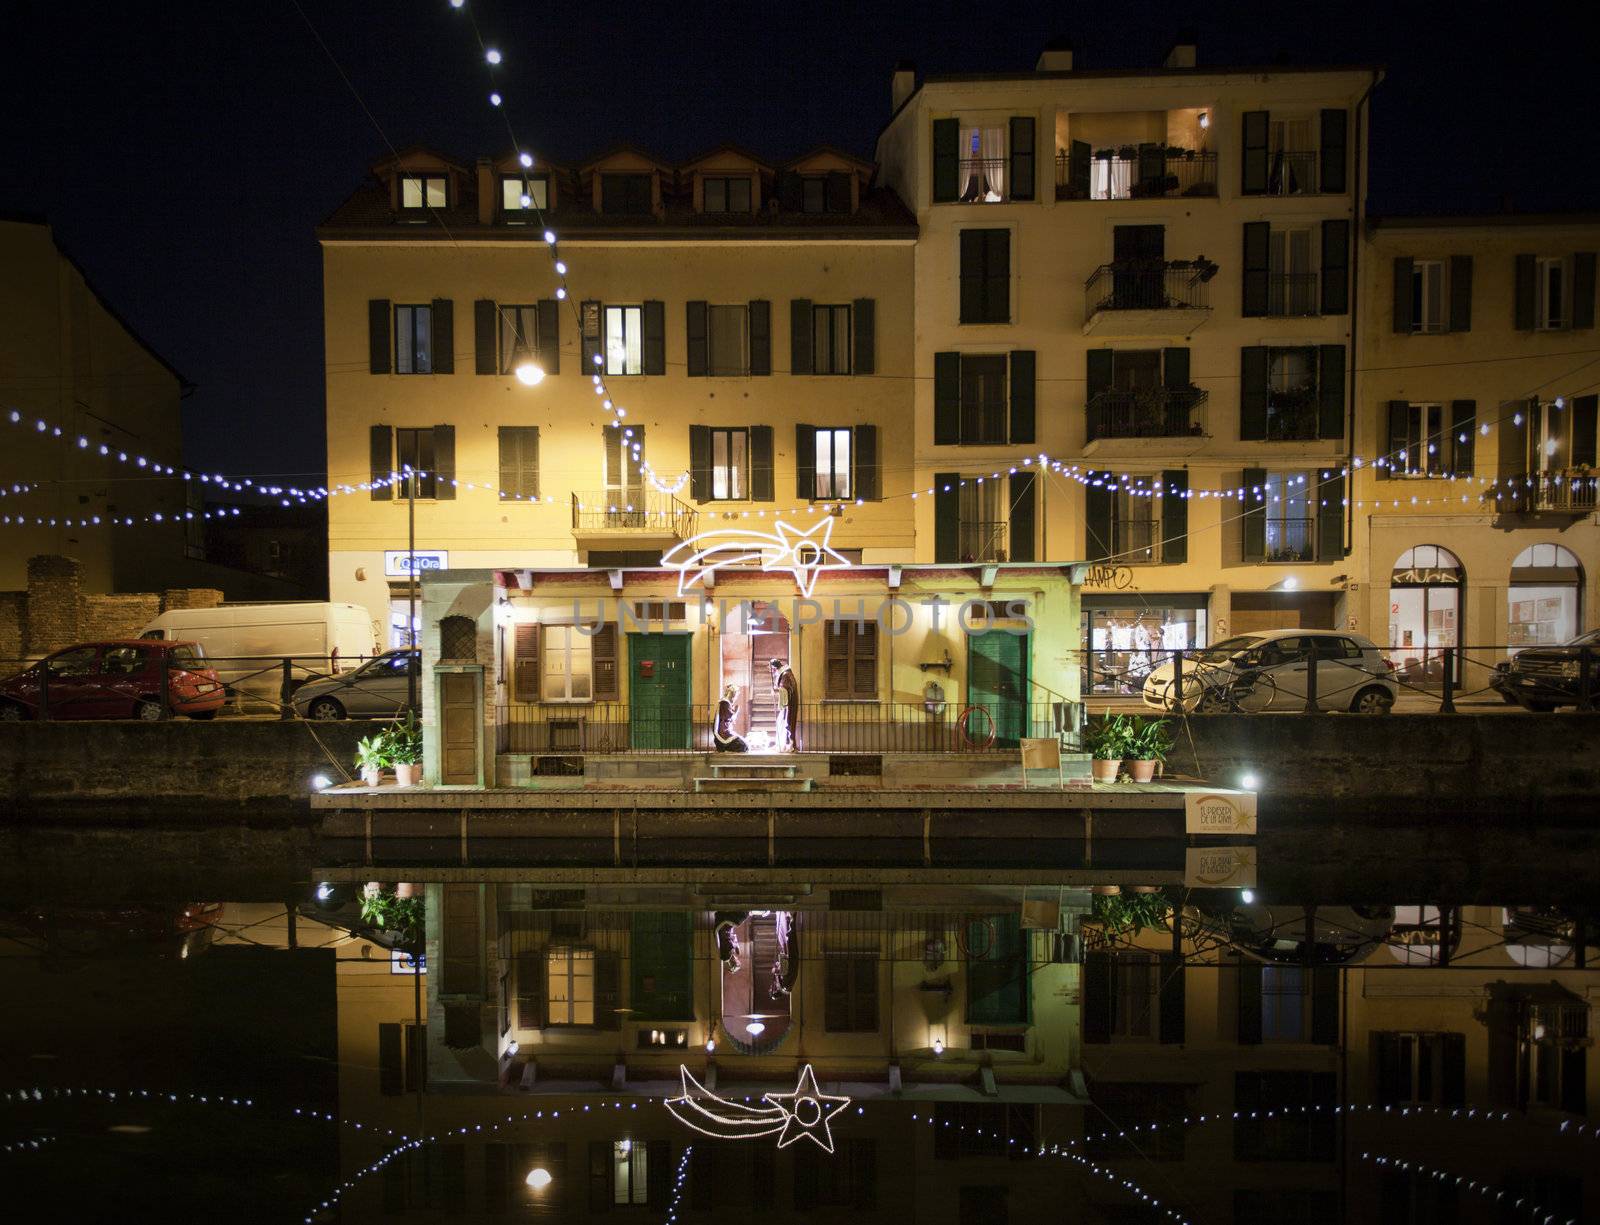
x=185 y=151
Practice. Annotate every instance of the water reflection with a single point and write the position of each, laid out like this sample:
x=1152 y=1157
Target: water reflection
x=500 y=1045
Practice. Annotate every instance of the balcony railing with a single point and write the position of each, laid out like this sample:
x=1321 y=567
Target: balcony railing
x=1291 y=173
x=983 y=180
x=639 y=511
x=1136 y=542
x=1136 y=176
x=1567 y=491
x=1293 y=415
x=981 y=540
x=1292 y=293
x=1150 y=412
x=1291 y=540
x=1149 y=285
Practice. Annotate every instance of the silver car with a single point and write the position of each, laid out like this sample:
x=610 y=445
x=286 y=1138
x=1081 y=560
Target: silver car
x=1267 y=671
x=378 y=689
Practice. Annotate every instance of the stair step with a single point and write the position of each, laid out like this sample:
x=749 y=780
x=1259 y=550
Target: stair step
x=743 y=769
x=752 y=784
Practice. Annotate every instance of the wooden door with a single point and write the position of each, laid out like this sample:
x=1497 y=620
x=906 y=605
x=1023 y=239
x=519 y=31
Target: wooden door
x=459 y=755
x=997 y=680
x=659 y=713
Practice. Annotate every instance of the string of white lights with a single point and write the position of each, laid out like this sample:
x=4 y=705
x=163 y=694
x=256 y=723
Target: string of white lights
x=31 y=1145
x=677 y=1185
x=1522 y=1203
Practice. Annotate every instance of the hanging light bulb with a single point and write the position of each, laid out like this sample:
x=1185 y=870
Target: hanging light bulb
x=494 y=99
x=492 y=56
x=526 y=159
x=530 y=374
x=525 y=200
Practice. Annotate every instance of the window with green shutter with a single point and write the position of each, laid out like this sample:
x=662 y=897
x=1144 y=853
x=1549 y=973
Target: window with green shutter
x=998 y=981
x=662 y=966
x=519 y=463
x=985 y=276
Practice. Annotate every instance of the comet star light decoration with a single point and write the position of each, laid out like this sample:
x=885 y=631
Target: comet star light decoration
x=803 y=552
x=806 y=1112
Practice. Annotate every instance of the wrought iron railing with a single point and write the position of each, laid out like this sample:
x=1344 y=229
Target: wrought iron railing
x=1292 y=293
x=646 y=511
x=1293 y=416
x=1133 y=176
x=981 y=540
x=983 y=180
x=1563 y=491
x=1149 y=285
x=1291 y=173
x=1136 y=542
x=1151 y=412
x=1291 y=539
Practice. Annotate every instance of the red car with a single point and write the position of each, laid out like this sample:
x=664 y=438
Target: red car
x=116 y=680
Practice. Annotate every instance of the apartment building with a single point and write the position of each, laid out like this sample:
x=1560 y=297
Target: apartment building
x=1147 y=275
x=1477 y=419
x=753 y=319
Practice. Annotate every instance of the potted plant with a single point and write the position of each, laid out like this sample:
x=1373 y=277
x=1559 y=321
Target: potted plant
x=404 y=740
x=399 y=920
x=1106 y=739
x=1149 y=742
x=372 y=755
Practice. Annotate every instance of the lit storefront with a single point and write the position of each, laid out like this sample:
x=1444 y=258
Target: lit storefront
x=1543 y=602
x=1425 y=599
x=1127 y=633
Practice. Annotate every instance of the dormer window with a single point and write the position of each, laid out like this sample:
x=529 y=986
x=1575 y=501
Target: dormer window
x=723 y=194
x=513 y=187
x=423 y=191
x=825 y=193
x=626 y=194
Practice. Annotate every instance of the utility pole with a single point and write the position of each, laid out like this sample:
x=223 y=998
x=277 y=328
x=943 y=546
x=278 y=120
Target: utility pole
x=411 y=588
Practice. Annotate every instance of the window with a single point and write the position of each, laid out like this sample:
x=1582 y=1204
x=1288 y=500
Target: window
x=725 y=195
x=1292 y=159
x=79 y=662
x=825 y=193
x=980 y=529
x=630 y=1177
x=1425 y=441
x=852 y=993
x=1159 y=1107
x=1133 y=995
x=1136 y=522
x=728 y=340
x=413 y=340
x=982 y=170
x=420 y=191
x=847 y=1178
x=624 y=461
x=1283 y=1004
x=624 y=340
x=833 y=464
x=414 y=450
x=569 y=981
x=730 y=464
x=1427 y=295
x=1291 y=394
x=830 y=340
x=458 y=639
x=1296 y=1132
x=125 y=661
x=1291 y=283
x=625 y=194
x=1552 y=289
x=1424 y=1068
x=852 y=661
x=985 y=276
x=983 y=398
x=513 y=188
x=519 y=336
x=568 y=660
x=1291 y=516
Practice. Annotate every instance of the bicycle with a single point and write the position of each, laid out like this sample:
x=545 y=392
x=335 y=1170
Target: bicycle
x=1213 y=691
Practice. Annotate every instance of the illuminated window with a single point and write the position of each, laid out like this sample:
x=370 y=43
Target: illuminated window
x=730 y=462
x=568 y=666
x=630 y=1175
x=624 y=340
x=569 y=978
x=419 y=191
x=1552 y=283
x=830 y=340
x=833 y=464
x=1427 y=295
x=413 y=339
x=514 y=187
x=726 y=195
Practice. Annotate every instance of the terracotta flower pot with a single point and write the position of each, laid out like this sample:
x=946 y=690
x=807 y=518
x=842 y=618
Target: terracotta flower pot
x=1141 y=771
x=408 y=775
x=372 y=776
x=1107 y=890
x=1105 y=771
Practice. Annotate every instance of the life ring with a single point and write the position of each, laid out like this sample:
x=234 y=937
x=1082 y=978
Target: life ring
x=966 y=736
x=971 y=950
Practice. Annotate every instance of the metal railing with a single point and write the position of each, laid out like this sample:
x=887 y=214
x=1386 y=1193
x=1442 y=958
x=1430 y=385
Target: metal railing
x=1292 y=294
x=645 y=511
x=1291 y=173
x=1148 y=285
x=1290 y=539
x=1567 y=491
x=983 y=180
x=1132 y=177
x=1293 y=416
x=1136 y=542
x=1150 y=412
x=981 y=540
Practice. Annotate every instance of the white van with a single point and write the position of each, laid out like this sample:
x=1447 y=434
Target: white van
x=246 y=643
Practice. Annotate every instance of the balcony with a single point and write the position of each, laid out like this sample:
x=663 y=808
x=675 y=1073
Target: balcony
x=1148 y=297
x=1567 y=491
x=1291 y=173
x=1136 y=174
x=1293 y=414
x=633 y=515
x=1292 y=295
x=1136 y=542
x=1149 y=412
x=983 y=180
x=981 y=540
x=1291 y=540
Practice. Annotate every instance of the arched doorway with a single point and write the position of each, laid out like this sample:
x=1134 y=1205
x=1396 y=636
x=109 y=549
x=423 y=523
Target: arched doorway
x=1425 y=593
x=1544 y=601
x=755 y=633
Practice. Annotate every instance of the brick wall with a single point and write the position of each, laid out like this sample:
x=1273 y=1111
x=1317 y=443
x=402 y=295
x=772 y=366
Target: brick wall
x=54 y=602
x=13 y=623
x=55 y=611
x=118 y=616
x=190 y=597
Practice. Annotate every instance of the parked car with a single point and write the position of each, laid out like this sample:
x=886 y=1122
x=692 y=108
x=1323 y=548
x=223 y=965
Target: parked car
x=116 y=680
x=1352 y=673
x=1542 y=678
x=379 y=689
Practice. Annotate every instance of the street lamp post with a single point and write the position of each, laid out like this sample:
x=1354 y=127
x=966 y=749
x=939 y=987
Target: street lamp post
x=411 y=588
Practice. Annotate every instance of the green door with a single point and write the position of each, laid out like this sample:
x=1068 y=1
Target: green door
x=997 y=680
x=658 y=691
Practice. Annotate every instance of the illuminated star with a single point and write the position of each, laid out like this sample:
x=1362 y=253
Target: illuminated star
x=806 y=1111
x=805 y=553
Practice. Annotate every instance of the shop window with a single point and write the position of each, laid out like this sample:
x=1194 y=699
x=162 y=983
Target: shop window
x=1543 y=601
x=1424 y=611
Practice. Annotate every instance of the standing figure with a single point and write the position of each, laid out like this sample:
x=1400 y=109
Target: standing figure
x=786 y=689
x=722 y=734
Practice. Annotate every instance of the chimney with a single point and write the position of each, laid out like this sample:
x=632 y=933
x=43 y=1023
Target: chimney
x=903 y=84
x=1182 y=52
x=486 y=191
x=1056 y=56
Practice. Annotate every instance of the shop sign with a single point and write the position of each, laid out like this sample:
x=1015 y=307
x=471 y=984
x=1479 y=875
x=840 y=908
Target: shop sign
x=1115 y=578
x=1426 y=576
x=397 y=562
x=1219 y=812
x=1219 y=867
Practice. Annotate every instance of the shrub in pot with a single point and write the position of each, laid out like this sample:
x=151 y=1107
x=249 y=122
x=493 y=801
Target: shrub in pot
x=1106 y=738
x=1149 y=742
x=405 y=750
x=372 y=755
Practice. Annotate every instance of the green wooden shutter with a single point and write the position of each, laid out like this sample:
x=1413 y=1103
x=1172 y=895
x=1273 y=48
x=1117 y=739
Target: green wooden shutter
x=700 y=463
x=865 y=478
x=1461 y=293
x=1399 y=424
x=653 y=316
x=1253 y=171
x=946 y=516
x=1257 y=269
x=1175 y=369
x=607 y=990
x=1172 y=998
x=838 y=192
x=659 y=1174
x=1403 y=271
x=997 y=276
x=530 y=989
x=1022 y=395
x=1453 y=1092
x=1096 y=997
x=549 y=339
x=1330 y=391
x=1078 y=169
x=444 y=336
x=1527 y=293
x=864 y=329
x=1325 y=1005
x=946 y=159
x=1464 y=435
x=661 y=963
x=444 y=463
x=1249 y=1007
x=589 y=314
x=697 y=340
x=1097 y=517
x=1152 y=167
x=1023 y=517
x=1584 y=422
x=1336 y=267
x=1022 y=157
x=485 y=326
x=972 y=282
x=805 y=462
x=378 y=346
x=1515 y=416
x=760 y=337
x=1335 y=151
x=381 y=451
x=603 y=657
x=1253 y=393
x=1175 y=516
x=761 y=485
x=1099 y=365
x=800 y=336
x=790 y=191
x=599 y=1176
x=519 y=461
x=1330 y=517
x=1583 y=290
x=1253 y=522
x=946 y=398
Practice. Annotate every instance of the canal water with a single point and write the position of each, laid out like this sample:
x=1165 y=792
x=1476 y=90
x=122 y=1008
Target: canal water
x=1336 y=1027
